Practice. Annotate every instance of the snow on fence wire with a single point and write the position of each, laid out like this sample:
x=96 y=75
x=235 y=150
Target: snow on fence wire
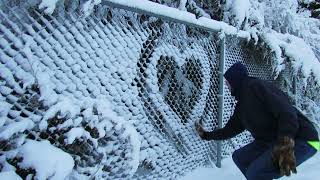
x=111 y=95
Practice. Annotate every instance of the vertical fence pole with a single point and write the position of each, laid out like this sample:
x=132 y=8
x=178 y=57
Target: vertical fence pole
x=221 y=100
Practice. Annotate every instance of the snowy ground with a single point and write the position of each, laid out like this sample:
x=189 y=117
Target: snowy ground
x=307 y=171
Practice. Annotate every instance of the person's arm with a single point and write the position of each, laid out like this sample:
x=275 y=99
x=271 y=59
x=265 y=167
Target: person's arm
x=232 y=128
x=277 y=103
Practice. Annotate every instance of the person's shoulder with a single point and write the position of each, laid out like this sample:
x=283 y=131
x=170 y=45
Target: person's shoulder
x=254 y=81
x=257 y=83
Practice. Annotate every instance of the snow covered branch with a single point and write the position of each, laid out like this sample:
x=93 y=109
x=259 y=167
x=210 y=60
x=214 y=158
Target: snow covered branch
x=299 y=53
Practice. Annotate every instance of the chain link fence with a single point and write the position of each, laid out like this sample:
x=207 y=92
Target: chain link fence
x=81 y=82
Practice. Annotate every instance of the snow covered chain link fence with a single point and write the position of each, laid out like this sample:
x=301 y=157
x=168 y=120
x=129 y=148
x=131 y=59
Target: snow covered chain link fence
x=116 y=90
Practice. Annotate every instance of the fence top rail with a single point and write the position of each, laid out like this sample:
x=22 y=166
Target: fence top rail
x=176 y=15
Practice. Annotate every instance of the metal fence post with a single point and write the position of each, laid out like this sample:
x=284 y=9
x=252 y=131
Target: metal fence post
x=221 y=99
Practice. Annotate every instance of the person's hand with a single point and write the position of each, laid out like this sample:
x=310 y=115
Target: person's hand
x=199 y=128
x=283 y=156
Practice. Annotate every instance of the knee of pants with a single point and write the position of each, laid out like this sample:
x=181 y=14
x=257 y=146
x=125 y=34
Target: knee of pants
x=251 y=176
x=254 y=173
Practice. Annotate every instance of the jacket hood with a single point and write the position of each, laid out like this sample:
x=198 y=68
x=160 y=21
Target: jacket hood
x=235 y=76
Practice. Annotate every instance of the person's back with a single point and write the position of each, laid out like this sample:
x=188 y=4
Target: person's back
x=265 y=109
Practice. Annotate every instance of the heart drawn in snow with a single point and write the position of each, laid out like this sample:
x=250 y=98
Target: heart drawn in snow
x=180 y=86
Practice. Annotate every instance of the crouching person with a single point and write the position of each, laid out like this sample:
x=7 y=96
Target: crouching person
x=283 y=137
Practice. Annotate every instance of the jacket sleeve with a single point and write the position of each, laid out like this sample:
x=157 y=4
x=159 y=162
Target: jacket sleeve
x=232 y=128
x=278 y=104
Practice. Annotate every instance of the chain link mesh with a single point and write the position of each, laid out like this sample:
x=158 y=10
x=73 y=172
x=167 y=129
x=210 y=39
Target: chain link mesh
x=158 y=76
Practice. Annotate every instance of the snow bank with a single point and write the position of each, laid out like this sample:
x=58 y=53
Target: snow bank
x=48 y=161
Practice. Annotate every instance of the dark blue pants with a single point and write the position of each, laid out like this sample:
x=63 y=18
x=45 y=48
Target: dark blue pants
x=254 y=160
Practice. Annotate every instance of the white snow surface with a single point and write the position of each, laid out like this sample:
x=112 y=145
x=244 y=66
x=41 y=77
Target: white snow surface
x=48 y=161
x=9 y=175
x=309 y=170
